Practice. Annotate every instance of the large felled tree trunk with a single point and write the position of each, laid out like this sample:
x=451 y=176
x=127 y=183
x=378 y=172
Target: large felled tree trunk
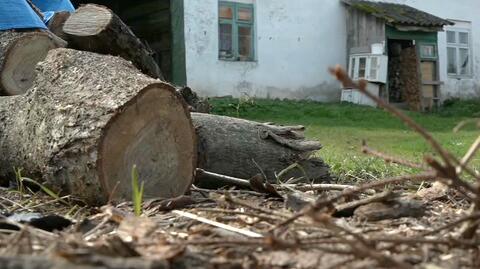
x=242 y=149
x=19 y=53
x=88 y=120
x=96 y=28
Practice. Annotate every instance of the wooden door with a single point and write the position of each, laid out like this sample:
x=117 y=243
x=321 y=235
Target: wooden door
x=430 y=95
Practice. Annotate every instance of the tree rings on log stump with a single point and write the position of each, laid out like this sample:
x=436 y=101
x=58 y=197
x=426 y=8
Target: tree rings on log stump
x=89 y=20
x=152 y=132
x=19 y=53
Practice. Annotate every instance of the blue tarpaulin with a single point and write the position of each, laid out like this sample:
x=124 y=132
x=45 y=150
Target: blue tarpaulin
x=49 y=7
x=17 y=14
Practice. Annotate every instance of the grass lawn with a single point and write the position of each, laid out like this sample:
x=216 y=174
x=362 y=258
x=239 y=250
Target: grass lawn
x=342 y=127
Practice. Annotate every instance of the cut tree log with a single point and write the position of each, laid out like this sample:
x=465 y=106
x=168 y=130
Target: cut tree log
x=19 y=53
x=195 y=103
x=55 y=25
x=89 y=119
x=96 y=28
x=242 y=149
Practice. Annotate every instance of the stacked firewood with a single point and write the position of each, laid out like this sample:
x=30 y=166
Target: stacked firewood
x=85 y=102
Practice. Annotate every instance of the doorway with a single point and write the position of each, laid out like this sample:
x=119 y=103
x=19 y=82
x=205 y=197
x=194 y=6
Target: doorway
x=396 y=84
x=403 y=74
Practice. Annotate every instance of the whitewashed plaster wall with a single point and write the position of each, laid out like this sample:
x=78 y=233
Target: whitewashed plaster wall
x=296 y=41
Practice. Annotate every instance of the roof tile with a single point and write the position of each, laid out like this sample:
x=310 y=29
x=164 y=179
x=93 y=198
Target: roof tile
x=398 y=14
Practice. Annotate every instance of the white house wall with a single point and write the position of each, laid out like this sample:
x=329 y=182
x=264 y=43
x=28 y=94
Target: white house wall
x=296 y=41
x=463 y=10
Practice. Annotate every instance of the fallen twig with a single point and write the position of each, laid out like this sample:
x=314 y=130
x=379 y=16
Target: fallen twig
x=245 y=213
x=314 y=187
x=244 y=183
x=321 y=203
x=354 y=204
x=230 y=199
x=202 y=175
x=244 y=232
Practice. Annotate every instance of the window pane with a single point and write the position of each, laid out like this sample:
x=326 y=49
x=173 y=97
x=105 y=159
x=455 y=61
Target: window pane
x=245 y=49
x=226 y=12
x=463 y=38
x=362 y=67
x=427 y=51
x=225 y=37
x=451 y=60
x=451 y=37
x=373 y=68
x=352 y=68
x=464 y=62
x=245 y=14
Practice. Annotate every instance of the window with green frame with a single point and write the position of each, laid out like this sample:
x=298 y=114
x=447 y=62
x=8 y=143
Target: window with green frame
x=236 y=31
x=428 y=51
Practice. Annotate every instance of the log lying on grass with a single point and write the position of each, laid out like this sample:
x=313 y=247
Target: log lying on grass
x=241 y=148
x=96 y=28
x=89 y=119
x=19 y=53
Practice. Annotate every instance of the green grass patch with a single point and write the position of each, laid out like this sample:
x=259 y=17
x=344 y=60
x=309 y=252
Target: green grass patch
x=137 y=192
x=342 y=127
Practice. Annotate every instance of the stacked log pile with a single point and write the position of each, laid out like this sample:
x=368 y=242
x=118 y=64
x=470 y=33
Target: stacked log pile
x=410 y=74
x=85 y=118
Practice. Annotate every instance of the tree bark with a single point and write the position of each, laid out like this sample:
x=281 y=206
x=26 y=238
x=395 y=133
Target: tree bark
x=195 y=103
x=234 y=147
x=55 y=25
x=89 y=119
x=96 y=28
x=19 y=53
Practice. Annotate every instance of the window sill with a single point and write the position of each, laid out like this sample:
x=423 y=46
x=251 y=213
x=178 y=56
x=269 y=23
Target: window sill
x=236 y=61
x=459 y=77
